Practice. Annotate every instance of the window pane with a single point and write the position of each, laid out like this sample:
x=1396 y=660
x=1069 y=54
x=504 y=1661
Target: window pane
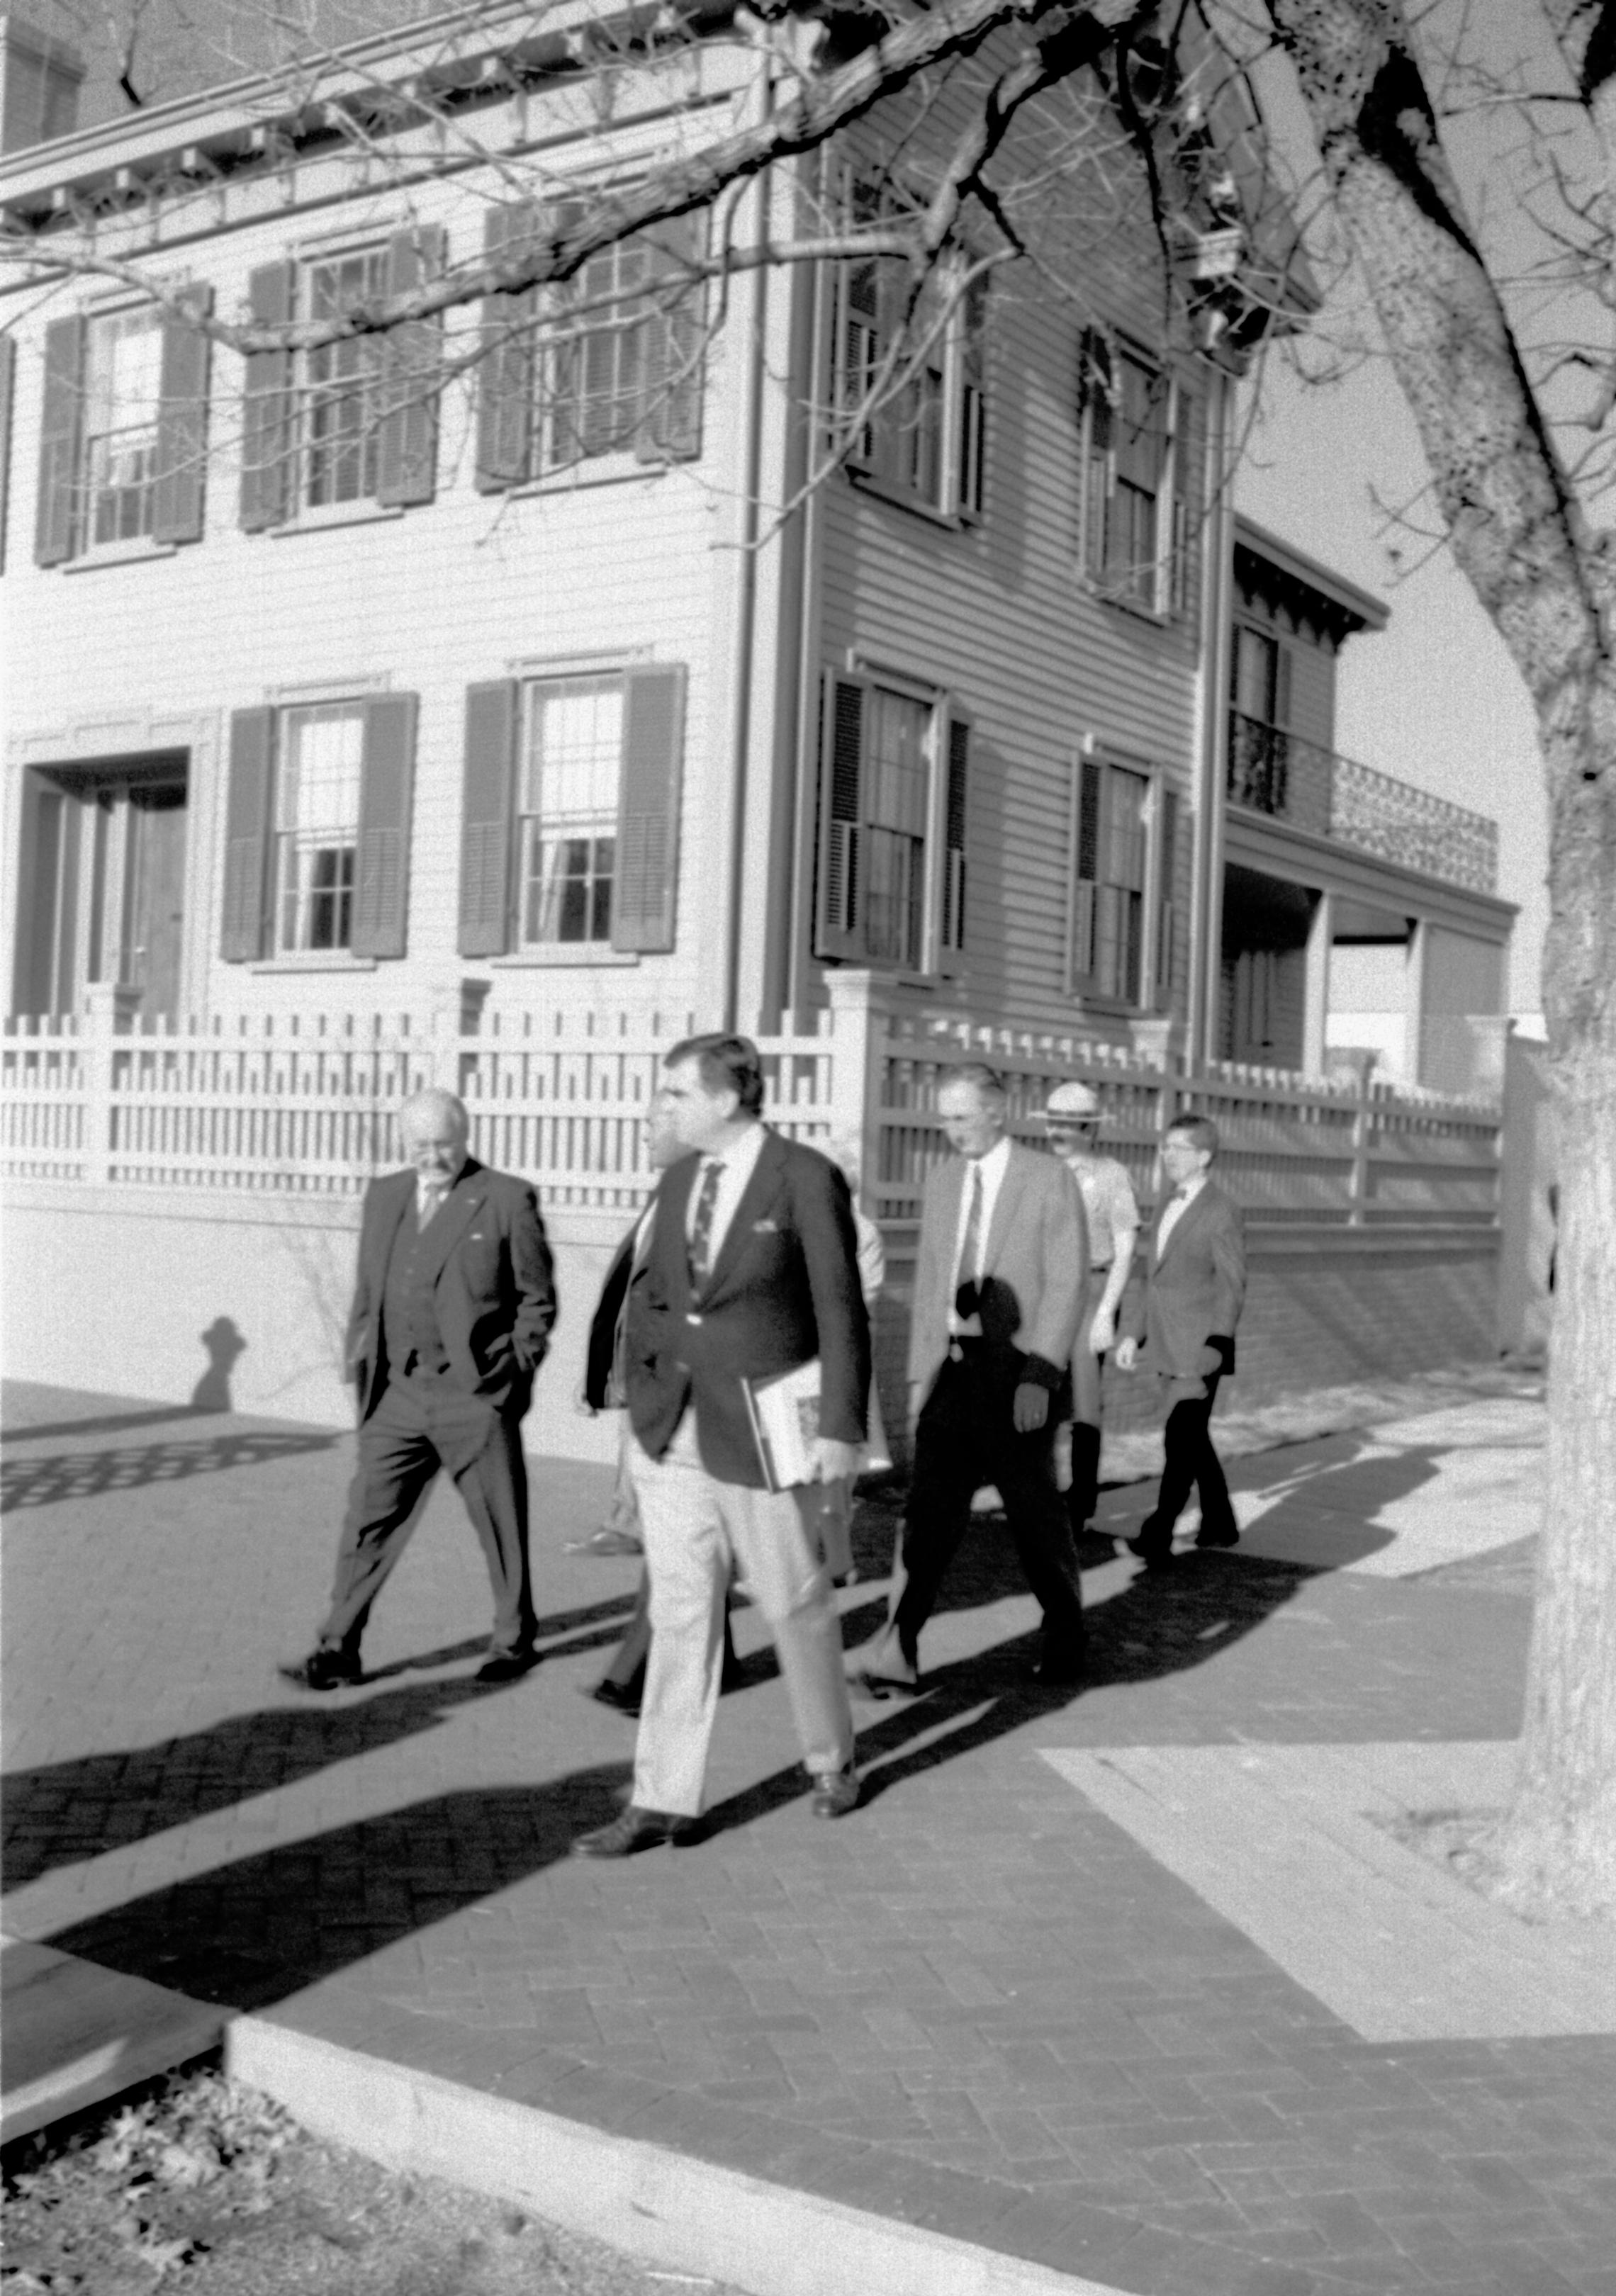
x=317 y=825
x=899 y=766
x=571 y=772
x=597 y=369
x=123 y=385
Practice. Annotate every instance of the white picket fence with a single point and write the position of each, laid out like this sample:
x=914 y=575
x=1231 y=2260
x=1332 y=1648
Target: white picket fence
x=300 y=1106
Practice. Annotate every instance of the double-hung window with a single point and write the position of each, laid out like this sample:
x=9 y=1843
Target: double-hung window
x=316 y=828
x=1259 y=700
x=123 y=434
x=571 y=809
x=609 y=363
x=1125 y=949
x=908 y=378
x=353 y=420
x=1133 y=522
x=892 y=824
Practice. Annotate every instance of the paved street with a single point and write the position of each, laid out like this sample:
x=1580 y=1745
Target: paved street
x=1143 y=1985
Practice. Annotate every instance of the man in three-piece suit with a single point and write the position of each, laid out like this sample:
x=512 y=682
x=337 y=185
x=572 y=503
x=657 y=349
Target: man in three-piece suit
x=751 y=1270
x=451 y=1319
x=1194 y=1288
x=1000 y=1282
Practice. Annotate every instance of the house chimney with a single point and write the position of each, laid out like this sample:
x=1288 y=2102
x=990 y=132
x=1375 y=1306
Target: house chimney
x=40 y=83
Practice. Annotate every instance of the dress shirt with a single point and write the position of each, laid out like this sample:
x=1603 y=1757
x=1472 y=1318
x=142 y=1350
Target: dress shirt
x=1182 y=1198
x=992 y=1167
x=736 y=1164
x=431 y=1193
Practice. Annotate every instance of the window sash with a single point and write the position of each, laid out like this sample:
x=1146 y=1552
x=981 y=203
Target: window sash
x=341 y=386
x=1117 y=850
x=1132 y=527
x=123 y=393
x=569 y=794
x=926 y=439
x=317 y=814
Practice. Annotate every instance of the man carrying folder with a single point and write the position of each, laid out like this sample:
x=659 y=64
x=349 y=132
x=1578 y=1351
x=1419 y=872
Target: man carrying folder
x=751 y=1271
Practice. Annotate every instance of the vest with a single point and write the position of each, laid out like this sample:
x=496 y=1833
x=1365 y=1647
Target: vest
x=409 y=1307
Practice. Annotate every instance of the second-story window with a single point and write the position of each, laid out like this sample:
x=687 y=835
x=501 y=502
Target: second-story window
x=341 y=412
x=123 y=396
x=1133 y=523
x=909 y=375
x=353 y=420
x=609 y=363
x=1259 y=693
x=123 y=430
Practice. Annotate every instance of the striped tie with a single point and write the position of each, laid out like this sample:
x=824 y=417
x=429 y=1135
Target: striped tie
x=700 y=1232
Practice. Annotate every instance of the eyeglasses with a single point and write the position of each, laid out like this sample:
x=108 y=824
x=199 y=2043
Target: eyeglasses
x=1072 y=1123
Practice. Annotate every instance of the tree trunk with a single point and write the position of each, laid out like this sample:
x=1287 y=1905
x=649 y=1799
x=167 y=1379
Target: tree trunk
x=1518 y=536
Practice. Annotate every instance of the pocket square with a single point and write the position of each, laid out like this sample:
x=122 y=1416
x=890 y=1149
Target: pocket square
x=766 y=1227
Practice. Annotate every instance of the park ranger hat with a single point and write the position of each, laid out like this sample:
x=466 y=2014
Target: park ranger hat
x=1075 y=1102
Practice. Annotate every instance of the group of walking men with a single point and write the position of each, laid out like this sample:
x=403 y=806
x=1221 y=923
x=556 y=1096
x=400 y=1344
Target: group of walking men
x=746 y=1266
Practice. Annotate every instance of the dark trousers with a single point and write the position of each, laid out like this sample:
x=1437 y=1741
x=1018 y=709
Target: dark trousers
x=1084 y=1495
x=418 y=1425
x=1190 y=1462
x=965 y=1436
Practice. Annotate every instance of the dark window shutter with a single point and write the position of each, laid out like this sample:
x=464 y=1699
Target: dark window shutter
x=61 y=431
x=268 y=437
x=1096 y=400
x=954 y=835
x=485 y=850
x=507 y=375
x=841 y=920
x=8 y=369
x=675 y=363
x=382 y=868
x=411 y=376
x=182 y=425
x=247 y=833
x=1086 y=863
x=648 y=810
x=1167 y=952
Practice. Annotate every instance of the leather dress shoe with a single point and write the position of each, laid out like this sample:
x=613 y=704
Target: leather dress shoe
x=1230 y=1537
x=607 y=1693
x=888 y=1671
x=835 y=1792
x=1155 y=1554
x=635 y=1828
x=324 y=1668
x=507 y=1665
x=1058 y=1670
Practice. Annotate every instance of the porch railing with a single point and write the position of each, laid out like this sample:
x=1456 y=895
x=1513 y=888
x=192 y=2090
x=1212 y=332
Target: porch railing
x=1276 y=772
x=292 y=1107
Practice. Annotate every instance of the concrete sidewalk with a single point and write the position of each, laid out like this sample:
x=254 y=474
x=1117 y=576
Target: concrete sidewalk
x=1141 y=1988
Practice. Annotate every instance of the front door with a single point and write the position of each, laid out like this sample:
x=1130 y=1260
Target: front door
x=154 y=911
x=102 y=886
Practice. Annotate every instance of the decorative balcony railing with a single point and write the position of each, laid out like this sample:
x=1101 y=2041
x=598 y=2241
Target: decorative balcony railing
x=1277 y=773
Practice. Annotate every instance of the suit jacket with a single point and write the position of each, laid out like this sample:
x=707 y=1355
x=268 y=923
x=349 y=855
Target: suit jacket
x=1193 y=1292
x=600 y=1356
x=784 y=1288
x=1035 y=1270
x=495 y=1291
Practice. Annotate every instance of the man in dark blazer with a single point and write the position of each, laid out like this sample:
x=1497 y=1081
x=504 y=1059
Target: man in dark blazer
x=451 y=1319
x=751 y=1270
x=1194 y=1288
x=1000 y=1277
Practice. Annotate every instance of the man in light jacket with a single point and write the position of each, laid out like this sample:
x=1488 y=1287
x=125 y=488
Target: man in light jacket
x=999 y=1283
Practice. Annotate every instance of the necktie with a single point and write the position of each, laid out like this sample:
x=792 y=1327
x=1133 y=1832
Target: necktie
x=970 y=1250
x=700 y=1232
x=430 y=1199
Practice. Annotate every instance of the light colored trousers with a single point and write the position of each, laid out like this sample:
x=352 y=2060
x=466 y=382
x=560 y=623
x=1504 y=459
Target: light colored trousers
x=697 y=1532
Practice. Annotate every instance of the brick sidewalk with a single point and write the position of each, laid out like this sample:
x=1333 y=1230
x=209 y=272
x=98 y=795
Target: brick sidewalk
x=983 y=2003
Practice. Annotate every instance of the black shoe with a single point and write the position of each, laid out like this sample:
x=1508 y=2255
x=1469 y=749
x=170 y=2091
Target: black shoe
x=639 y=1828
x=324 y=1668
x=835 y=1792
x=1058 y=1670
x=1228 y=1537
x=1155 y=1554
x=607 y=1693
x=507 y=1665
